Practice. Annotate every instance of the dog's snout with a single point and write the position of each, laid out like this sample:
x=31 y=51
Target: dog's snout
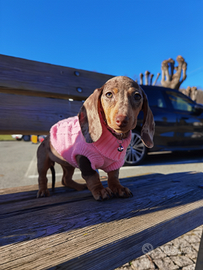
x=122 y=120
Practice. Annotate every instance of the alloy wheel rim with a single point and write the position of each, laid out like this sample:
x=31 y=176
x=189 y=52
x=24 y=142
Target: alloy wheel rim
x=135 y=150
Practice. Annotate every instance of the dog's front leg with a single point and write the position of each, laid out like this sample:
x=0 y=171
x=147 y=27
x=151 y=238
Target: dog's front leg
x=116 y=187
x=92 y=179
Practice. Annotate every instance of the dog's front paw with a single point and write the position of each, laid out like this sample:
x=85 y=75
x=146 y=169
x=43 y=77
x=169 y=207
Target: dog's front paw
x=43 y=193
x=102 y=193
x=120 y=191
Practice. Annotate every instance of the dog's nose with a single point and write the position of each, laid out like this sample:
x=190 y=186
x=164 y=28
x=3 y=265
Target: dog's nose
x=122 y=120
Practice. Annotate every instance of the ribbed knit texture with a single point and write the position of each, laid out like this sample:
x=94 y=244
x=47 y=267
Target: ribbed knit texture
x=67 y=139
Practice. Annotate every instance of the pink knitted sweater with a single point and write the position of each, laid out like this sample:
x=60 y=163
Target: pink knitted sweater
x=67 y=139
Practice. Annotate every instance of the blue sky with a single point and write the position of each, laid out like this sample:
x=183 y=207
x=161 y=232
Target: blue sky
x=123 y=37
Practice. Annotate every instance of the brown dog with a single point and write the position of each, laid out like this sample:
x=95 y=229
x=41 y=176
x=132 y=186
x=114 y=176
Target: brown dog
x=97 y=138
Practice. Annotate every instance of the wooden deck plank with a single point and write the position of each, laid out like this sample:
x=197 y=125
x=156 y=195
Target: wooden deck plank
x=70 y=229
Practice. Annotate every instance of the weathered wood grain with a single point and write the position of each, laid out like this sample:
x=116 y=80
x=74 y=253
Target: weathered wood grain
x=27 y=77
x=35 y=95
x=33 y=115
x=70 y=230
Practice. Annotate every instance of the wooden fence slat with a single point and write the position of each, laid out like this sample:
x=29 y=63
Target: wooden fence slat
x=30 y=77
x=33 y=115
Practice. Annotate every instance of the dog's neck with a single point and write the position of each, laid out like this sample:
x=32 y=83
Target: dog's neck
x=119 y=136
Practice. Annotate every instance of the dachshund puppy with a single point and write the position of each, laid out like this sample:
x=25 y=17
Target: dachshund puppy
x=97 y=138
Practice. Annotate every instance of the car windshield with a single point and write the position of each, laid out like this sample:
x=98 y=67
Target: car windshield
x=179 y=102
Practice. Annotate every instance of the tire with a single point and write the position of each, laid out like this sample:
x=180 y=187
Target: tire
x=136 y=151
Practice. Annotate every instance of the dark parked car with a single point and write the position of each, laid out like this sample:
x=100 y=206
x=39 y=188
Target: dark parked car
x=179 y=124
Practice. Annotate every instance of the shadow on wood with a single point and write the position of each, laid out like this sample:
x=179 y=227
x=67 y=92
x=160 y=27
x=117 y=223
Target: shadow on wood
x=70 y=228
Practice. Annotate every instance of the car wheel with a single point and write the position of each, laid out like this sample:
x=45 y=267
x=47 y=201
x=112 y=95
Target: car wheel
x=136 y=151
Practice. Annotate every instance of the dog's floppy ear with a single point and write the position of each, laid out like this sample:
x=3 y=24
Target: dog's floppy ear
x=148 y=127
x=89 y=117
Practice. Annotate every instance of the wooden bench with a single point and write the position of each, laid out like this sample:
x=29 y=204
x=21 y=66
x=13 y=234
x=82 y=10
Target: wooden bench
x=70 y=230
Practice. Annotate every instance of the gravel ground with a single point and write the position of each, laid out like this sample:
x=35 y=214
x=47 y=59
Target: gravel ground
x=179 y=254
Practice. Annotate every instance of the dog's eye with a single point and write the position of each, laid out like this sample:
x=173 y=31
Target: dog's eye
x=109 y=95
x=137 y=96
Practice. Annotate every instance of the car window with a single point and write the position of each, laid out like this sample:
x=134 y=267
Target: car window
x=179 y=102
x=155 y=98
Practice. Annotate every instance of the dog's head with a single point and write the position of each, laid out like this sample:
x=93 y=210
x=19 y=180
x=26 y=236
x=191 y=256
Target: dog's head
x=119 y=101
